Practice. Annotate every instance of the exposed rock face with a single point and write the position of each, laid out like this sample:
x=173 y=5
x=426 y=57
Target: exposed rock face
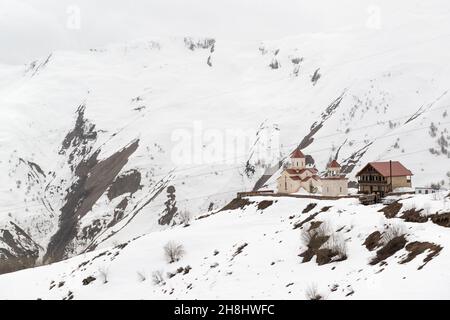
x=128 y=182
x=79 y=141
x=391 y=210
x=415 y=248
x=350 y=163
x=308 y=219
x=373 y=240
x=17 y=249
x=94 y=178
x=171 y=207
x=442 y=219
x=389 y=249
x=414 y=216
x=237 y=203
x=193 y=44
x=313 y=247
x=309 y=207
x=264 y=204
x=35 y=173
x=119 y=212
x=316 y=126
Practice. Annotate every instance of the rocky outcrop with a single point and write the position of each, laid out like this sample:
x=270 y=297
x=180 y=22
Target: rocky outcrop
x=128 y=182
x=442 y=219
x=389 y=249
x=171 y=207
x=94 y=177
x=416 y=248
x=373 y=241
x=78 y=142
x=17 y=249
x=206 y=43
x=391 y=210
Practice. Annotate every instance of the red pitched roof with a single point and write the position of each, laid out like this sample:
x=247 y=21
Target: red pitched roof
x=334 y=164
x=300 y=171
x=313 y=177
x=297 y=154
x=383 y=168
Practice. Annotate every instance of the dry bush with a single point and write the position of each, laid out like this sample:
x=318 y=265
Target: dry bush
x=337 y=245
x=427 y=207
x=324 y=237
x=158 y=278
x=141 y=276
x=185 y=218
x=411 y=206
x=393 y=231
x=173 y=251
x=103 y=274
x=308 y=236
x=312 y=293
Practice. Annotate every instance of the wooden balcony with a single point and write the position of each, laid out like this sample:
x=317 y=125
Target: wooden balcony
x=373 y=182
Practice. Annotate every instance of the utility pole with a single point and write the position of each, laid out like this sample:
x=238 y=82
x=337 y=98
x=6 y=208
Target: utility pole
x=390 y=175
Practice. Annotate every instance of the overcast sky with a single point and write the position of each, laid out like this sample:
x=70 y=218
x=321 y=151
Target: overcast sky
x=30 y=29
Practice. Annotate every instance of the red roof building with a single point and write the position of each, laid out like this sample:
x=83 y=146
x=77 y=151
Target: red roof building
x=334 y=164
x=300 y=171
x=384 y=169
x=297 y=154
x=301 y=175
x=383 y=177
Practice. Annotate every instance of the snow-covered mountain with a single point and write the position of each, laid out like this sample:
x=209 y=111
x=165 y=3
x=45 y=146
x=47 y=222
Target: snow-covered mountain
x=91 y=141
x=267 y=248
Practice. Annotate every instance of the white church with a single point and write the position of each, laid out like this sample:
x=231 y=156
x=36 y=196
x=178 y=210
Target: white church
x=302 y=178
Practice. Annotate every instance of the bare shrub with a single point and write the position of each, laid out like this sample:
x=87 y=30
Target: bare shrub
x=173 y=251
x=338 y=246
x=141 y=276
x=185 y=218
x=411 y=206
x=437 y=195
x=158 y=278
x=427 y=207
x=393 y=231
x=309 y=235
x=103 y=274
x=312 y=293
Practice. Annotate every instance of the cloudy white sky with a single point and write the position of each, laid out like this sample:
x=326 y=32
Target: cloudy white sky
x=30 y=29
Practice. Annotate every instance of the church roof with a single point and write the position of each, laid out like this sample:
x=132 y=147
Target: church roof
x=297 y=154
x=334 y=164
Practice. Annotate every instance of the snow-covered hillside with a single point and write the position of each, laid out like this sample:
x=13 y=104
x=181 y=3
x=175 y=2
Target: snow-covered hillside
x=91 y=140
x=261 y=248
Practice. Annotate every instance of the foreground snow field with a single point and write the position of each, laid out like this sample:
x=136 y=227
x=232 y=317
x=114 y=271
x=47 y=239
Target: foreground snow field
x=252 y=252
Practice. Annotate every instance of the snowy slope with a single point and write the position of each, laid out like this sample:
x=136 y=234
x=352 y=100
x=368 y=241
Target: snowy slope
x=252 y=251
x=127 y=109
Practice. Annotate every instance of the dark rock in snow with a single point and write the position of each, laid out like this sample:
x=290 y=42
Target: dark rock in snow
x=94 y=178
x=127 y=182
x=18 y=250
